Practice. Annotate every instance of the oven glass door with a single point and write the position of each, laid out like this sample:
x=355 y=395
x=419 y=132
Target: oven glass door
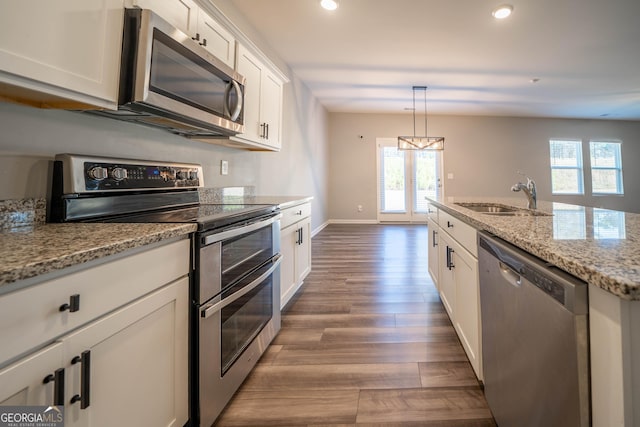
x=243 y=319
x=243 y=254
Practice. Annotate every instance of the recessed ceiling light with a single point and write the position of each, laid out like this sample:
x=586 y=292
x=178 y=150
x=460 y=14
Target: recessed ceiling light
x=502 y=11
x=329 y=4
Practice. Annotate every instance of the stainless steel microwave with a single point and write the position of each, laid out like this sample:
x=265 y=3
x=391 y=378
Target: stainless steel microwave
x=170 y=81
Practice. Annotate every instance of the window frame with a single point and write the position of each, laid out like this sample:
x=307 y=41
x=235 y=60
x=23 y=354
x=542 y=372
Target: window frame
x=617 y=168
x=579 y=167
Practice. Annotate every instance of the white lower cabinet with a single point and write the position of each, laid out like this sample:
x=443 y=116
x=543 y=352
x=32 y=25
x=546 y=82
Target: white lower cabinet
x=432 y=252
x=459 y=289
x=136 y=372
x=31 y=381
x=295 y=242
x=123 y=361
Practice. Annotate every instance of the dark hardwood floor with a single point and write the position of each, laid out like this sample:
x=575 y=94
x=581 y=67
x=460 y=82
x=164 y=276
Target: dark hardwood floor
x=365 y=342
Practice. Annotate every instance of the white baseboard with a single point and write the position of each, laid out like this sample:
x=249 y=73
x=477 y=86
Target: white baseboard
x=319 y=229
x=353 y=221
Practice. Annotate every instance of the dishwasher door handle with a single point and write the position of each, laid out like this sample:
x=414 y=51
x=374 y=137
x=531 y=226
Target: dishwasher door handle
x=511 y=276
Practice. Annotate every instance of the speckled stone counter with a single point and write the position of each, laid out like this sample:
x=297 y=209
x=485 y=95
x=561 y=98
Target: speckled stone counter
x=217 y=196
x=29 y=251
x=602 y=247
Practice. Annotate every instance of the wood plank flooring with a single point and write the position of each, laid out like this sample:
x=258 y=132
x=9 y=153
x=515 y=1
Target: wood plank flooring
x=365 y=342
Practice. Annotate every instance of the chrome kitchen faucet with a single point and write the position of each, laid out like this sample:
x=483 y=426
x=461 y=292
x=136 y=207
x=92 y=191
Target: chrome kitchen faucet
x=529 y=189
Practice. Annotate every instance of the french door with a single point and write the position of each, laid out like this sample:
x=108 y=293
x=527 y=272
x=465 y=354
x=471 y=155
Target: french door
x=405 y=178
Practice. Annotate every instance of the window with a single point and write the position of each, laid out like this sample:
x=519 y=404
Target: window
x=566 y=167
x=606 y=168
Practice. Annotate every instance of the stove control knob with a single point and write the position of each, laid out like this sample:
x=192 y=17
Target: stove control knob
x=119 y=174
x=193 y=175
x=180 y=174
x=98 y=173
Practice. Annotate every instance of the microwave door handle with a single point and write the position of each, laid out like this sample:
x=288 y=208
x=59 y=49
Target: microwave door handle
x=211 y=309
x=238 y=89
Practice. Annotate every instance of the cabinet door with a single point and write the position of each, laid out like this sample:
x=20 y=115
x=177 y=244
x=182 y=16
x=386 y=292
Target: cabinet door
x=432 y=251
x=303 y=250
x=288 y=237
x=446 y=277
x=216 y=39
x=251 y=69
x=467 y=319
x=71 y=47
x=137 y=370
x=28 y=381
x=182 y=14
x=271 y=109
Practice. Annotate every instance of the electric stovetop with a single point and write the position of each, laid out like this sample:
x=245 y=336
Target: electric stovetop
x=206 y=216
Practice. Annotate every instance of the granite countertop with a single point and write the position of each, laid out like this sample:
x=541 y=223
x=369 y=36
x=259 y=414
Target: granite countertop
x=29 y=247
x=283 y=202
x=31 y=251
x=600 y=246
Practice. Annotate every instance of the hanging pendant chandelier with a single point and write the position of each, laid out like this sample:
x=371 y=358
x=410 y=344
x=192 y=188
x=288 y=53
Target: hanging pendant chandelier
x=427 y=143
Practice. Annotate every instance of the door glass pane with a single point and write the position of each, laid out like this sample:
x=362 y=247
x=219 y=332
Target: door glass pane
x=425 y=178
x=392 y=185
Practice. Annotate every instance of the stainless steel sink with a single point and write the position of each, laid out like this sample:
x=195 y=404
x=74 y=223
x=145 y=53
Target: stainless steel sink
x=499 y=210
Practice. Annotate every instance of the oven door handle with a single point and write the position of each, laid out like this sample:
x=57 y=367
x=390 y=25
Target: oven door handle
x=243 y=229
x=209 y=309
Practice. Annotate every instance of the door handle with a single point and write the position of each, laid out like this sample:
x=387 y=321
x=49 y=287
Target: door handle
x=85 y=379
x=450 y=252
x=58 y=386
x=73 y=305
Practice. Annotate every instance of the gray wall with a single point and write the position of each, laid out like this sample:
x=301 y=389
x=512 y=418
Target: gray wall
x=483 y=153
x=30 y=138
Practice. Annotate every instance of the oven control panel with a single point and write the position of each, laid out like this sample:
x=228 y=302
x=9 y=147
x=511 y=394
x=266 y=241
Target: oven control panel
x=106 y=176
x=89 y=174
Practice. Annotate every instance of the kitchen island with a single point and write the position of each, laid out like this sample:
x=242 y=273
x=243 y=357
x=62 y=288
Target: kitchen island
x=600 y=247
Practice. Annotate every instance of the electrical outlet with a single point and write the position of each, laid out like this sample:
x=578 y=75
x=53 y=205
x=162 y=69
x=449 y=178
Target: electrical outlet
x=359 y=208
x=224 y=167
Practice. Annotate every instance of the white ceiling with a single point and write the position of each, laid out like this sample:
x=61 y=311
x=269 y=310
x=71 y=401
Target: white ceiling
x=367 y=55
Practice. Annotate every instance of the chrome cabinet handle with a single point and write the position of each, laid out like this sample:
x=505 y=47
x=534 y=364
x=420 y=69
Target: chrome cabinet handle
x=434 y=234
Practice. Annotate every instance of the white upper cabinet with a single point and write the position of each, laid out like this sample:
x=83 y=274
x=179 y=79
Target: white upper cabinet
x=189 y=18
x=63 y=53
x=263 y=102
x=216 y=39
x=182 y=14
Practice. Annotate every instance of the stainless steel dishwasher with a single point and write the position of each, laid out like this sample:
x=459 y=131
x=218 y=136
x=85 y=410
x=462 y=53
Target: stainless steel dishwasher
x=535 y=347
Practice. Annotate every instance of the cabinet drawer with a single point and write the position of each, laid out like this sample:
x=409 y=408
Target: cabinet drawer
x=294 y=214
x=465 y=234
x=32 y=316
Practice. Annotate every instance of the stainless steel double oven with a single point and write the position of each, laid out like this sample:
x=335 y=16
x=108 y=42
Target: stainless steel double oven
x=235 y=281
x=239 y=310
